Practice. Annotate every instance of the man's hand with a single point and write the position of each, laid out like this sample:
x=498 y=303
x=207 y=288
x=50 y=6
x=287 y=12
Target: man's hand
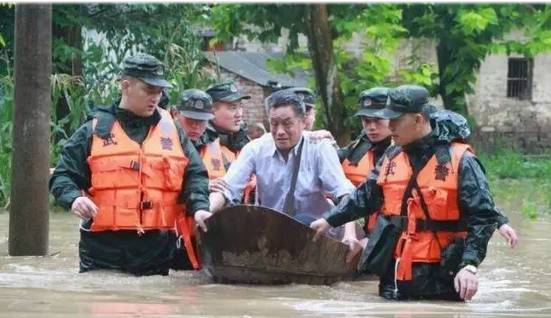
x=509 y=234
x=318 y=135
x=218 y=185
x=320 y=226
x=466 y=284
x=84 y=208
x=200 y=217
x=354 y=247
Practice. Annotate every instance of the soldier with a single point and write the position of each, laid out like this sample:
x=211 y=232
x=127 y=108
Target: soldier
x=437 y=211
x=227 y=123
x=127 y=173
x=228 y=126
x=360 y=156
x=193 y=113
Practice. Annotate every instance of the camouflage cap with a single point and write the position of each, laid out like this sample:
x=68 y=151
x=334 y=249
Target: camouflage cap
x=226 y=92
x=305 y=94
x=371 y=101
x=285 y=97
x=195 y=104
x=146 y=68
x=404 y=99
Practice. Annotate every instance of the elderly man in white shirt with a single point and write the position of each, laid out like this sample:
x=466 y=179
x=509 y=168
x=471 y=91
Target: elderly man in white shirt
x=272 y=158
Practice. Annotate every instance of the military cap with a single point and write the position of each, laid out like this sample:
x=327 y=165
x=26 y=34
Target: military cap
x=195 y=104
x=305 y=94
x=285 y=97
x=226 y=92
x=371 y=101
x=146 y=68
x=404 y=99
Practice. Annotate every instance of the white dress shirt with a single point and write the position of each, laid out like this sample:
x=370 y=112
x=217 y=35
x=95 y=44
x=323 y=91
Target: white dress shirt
x=320 y=172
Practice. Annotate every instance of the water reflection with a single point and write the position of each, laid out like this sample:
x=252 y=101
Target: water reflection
x=512 y=283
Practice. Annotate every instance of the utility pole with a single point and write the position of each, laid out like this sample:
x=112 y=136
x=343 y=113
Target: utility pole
x=29 y=217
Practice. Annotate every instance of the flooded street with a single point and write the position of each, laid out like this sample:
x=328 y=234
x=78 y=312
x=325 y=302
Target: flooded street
x=513 y=283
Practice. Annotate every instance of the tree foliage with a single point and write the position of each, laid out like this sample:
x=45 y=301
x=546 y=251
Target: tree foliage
x=85 y=71
x=466 y=33
x=355 y=72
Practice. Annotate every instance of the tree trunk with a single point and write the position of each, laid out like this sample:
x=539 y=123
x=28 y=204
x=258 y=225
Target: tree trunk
x=28 y=233
x=320 y=46
x=454 y=100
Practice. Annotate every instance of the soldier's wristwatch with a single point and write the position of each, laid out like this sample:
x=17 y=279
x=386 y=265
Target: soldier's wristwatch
x=471 y=269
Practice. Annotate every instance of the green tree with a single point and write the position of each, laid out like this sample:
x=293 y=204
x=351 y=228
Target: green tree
x=338 y=75
x=465 y=34
x=85 y=72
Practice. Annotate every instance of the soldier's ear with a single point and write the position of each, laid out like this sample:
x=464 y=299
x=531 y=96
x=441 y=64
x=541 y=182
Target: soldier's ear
x=419 y=119
x=125 y=84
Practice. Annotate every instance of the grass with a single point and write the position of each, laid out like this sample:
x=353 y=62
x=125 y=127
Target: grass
x=521 y=180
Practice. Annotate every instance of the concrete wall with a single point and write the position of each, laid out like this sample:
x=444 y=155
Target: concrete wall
x=523 y=125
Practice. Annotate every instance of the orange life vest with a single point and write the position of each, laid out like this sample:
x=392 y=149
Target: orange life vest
x=439 y=187
x=248 y=192
x=211 y=155
x=357 y=174
x=136 y=187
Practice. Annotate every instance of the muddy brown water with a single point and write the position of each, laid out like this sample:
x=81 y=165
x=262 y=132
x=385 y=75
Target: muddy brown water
x=513 y=283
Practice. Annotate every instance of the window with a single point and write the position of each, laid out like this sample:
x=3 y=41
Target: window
x=519 y=78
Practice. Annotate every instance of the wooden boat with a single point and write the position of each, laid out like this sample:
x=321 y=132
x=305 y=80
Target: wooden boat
x=257 y=245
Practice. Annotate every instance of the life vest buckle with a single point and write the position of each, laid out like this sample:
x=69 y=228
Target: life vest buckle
x=134 y=165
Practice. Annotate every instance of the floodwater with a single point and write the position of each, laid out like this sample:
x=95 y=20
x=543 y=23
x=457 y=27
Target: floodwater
x=513 y=283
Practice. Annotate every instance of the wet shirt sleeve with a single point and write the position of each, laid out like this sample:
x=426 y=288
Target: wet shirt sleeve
x=478 y=209
x=72 y=174
x=364 y=200
x=195 y=186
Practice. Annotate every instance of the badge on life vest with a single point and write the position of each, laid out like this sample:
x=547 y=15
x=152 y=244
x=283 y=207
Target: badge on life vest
x=441 y=172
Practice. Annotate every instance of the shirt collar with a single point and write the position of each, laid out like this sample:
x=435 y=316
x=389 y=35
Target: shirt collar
x=293 y=151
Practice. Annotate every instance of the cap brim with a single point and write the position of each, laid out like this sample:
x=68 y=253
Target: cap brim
x=197 y=115
x=159 y=82
x=233 y=97
x=371 y=112
x=387 y=113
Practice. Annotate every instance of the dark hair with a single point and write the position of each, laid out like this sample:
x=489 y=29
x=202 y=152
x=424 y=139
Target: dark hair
x=426 y=111
x=282 y=98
